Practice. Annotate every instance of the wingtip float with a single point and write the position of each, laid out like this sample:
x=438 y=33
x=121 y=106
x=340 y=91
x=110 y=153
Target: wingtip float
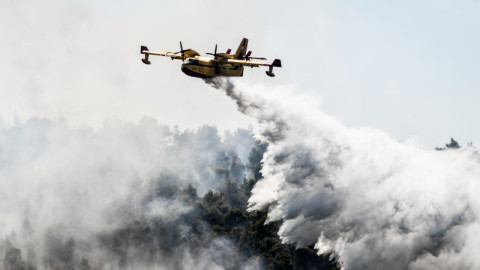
x=222 y=64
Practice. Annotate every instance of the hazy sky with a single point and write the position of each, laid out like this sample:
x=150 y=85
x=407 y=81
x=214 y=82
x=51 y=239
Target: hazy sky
x=410 y=68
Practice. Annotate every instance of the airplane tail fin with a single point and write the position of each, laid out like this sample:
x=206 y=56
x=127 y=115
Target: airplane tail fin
x=242 y=49
x=277 y=63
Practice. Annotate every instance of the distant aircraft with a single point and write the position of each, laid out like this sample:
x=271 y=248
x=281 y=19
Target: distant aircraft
x=222 y=64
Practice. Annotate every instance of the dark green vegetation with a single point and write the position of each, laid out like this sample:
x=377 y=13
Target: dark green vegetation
x=226 y=213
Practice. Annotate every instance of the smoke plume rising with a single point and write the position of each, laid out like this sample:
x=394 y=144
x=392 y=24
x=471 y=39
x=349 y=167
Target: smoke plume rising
x=375 y=202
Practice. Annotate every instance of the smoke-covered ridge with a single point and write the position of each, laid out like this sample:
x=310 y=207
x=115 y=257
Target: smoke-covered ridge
x=122 y=197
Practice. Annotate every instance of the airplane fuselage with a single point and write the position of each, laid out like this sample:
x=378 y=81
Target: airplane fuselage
x=205 y=68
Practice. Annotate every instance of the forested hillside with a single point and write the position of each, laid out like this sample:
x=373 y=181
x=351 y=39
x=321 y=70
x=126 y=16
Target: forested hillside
x=215 y=216
x=109 y=214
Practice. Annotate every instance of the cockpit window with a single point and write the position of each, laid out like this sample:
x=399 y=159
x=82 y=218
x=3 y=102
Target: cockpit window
x=190 y=61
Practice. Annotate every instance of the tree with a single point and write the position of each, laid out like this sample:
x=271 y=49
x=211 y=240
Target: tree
x=452 y=145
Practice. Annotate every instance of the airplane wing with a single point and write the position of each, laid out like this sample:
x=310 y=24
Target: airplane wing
x=144 y=50
x=275 y=63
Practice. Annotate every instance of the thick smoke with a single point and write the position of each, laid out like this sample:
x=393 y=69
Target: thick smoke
x=375 y=202
x=117 y=198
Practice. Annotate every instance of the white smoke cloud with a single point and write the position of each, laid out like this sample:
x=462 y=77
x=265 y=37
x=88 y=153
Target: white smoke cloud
x=68 y=193
x=375 y=202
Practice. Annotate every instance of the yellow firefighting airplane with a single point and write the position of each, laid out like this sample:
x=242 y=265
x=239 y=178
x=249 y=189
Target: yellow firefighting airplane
x=223 y=64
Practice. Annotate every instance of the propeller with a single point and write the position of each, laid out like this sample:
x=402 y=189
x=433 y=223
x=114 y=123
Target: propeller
x=182 y=51
x=215 y=63
x=215 y=53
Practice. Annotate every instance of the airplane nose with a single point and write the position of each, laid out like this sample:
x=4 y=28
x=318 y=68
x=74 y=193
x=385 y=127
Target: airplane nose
x=186 y=71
